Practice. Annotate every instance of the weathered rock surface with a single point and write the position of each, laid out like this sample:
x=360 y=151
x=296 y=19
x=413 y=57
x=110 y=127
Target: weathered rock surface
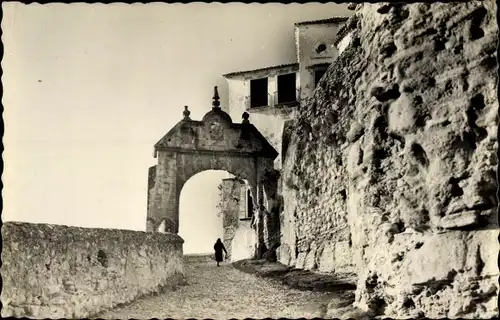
x=52 y=271
x=391 y=167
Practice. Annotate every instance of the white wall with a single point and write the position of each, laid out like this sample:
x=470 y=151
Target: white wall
x=269 y=121
x=243 y=244
x=308 y=37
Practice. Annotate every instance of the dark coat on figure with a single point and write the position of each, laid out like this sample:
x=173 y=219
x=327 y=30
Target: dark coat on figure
x=219 y=248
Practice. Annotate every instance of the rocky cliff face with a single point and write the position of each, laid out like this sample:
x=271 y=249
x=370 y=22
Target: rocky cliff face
x=391 y=168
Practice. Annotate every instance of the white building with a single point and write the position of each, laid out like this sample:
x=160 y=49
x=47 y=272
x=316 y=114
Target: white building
x=272 y=95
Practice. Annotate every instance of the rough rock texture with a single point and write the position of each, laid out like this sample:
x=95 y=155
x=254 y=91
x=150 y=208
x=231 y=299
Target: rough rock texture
x=73 y=272
x=393 y=163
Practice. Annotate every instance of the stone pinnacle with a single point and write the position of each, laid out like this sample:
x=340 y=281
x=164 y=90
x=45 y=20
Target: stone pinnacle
x=186 y=113
x=216 y=102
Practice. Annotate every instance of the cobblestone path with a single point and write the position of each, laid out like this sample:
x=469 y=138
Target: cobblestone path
x=224 y=293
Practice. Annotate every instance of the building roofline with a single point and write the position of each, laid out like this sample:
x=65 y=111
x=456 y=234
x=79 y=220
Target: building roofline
x=345 y=29
x=322 y=21
x=240 y=73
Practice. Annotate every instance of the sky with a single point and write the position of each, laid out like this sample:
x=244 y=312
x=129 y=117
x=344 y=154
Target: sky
x=90 y=88
x=198 y=226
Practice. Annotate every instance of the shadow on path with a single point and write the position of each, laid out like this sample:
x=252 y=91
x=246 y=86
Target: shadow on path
x=297 y=278
x=262 y=291
x=341 y=287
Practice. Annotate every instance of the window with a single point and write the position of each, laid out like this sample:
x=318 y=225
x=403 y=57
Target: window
x=318 y=74
x=258 y=93
x=287 y=89
x=246 y=205
x=249 y=204
x=321 y=48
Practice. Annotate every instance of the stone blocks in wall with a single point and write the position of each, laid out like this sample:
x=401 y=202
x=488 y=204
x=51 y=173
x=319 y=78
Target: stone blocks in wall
x=162 y=195
x=314 y=212
x=52 y=271
x=336 y=256
x=151 y=183
x=327 y=256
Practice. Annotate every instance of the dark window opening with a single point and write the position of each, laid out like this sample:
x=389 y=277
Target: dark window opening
x=249 y=204
x=258 y=93
x=321 y=48
x=318 y=74
x=287 y=88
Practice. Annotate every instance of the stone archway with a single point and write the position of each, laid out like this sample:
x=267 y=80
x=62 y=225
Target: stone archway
x=214 y=143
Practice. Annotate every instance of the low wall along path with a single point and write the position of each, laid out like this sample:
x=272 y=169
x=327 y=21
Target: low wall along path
x=52 y=271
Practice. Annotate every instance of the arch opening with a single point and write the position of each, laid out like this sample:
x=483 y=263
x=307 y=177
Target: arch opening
x=217 y=204
x=200 y=223
x=192 y=147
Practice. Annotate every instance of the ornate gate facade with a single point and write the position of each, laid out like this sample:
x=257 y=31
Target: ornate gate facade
x=214 y=143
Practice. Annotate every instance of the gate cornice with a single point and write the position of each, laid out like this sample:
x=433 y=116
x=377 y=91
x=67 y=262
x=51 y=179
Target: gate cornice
x=216 y=134
x=218 y=153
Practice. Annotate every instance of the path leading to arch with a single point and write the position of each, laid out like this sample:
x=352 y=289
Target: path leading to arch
x=223 y=293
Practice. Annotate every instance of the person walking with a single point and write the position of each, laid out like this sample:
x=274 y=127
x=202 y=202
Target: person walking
x=219 y=247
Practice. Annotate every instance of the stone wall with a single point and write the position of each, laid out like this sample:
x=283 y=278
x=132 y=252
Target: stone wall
x=391 y=168
x=151 y=184
x=162 y=195
x=70 y=272
x=270 y=211
x=239 y=236
x=230 y=210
